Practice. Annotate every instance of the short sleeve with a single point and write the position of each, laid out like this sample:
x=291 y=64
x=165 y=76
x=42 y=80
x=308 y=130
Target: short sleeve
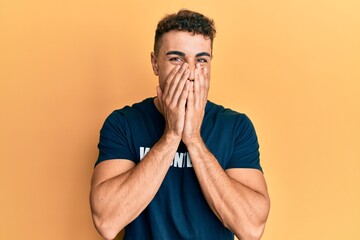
x=246 y=147
x=113 y=143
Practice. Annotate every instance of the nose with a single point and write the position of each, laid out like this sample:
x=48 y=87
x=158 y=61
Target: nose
x=192 y=72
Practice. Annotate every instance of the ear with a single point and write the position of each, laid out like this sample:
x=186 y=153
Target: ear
x=154 y=64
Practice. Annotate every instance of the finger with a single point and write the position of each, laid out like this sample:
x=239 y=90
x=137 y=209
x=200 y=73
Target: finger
x=159 y=95
x=197 y=86
x=184 y=94
x=190 y=98
x=177 y=77
x=206 y=81
x=158 y=92
x=181 y=84
x=169 y=79
x=190 y=104
x=203 y=85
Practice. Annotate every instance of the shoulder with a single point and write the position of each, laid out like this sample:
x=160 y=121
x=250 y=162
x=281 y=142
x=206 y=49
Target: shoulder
x=228 y=120
x=227 y=114
x=137 y=108
x=121 y=117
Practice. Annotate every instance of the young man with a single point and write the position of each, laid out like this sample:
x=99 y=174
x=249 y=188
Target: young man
x=181 y=166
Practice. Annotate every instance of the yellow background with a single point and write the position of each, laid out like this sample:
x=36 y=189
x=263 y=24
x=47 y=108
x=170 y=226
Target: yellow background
x=292 y=66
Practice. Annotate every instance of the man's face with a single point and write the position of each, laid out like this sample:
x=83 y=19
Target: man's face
x=176 y=48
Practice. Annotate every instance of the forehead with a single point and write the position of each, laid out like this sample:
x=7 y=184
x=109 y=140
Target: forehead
x=186 y=42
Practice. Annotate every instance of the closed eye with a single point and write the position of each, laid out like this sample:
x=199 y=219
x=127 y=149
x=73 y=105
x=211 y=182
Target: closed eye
x=175 y=59
x=202 y=60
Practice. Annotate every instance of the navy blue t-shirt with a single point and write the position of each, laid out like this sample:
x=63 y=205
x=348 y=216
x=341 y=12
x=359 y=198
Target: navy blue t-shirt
x=179 y=209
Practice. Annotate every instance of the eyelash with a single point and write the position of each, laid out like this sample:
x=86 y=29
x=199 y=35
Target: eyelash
x=201 y=60
x=175 y=59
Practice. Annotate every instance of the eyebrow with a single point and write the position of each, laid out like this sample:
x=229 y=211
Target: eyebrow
x=175 y=53
x=183 y=54
x=203 y=54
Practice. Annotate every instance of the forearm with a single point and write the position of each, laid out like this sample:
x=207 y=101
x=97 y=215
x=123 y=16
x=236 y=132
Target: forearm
x=240 y=208
x=119 y=200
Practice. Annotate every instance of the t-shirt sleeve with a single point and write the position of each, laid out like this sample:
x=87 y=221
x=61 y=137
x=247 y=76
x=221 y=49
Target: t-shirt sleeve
x=246 y=147
x=113 y=143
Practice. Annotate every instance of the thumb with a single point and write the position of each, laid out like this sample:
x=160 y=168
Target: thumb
x=158 y=92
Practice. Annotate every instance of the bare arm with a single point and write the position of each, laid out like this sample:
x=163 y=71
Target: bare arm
x=238 y=197
x=120 y=190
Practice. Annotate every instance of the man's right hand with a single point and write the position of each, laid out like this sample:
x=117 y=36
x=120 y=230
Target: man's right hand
x=172 y=100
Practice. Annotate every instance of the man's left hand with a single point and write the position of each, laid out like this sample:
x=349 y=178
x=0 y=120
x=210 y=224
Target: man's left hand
x=195 y=106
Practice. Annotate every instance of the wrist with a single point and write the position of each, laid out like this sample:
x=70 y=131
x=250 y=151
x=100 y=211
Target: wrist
x=171 y=137
x=197 y=150
x=194 y=142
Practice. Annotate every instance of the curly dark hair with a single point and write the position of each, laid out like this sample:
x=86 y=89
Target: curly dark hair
x=187 y=21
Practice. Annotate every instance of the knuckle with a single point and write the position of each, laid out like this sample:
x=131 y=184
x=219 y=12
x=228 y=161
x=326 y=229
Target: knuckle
x=168 y=81
x=167 y=101
x=172 y=105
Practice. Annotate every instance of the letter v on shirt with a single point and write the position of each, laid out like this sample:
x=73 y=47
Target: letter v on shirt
x=181 y=160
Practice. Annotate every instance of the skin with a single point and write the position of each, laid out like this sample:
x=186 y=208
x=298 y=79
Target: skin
x=121 y=190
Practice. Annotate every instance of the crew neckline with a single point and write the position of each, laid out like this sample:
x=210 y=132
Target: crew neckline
x=157 y=111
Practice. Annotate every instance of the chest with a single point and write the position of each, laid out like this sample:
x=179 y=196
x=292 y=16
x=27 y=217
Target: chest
x=218 y=136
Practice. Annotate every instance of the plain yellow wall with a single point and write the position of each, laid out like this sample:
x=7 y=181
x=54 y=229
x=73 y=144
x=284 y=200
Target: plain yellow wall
x=292 y=66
